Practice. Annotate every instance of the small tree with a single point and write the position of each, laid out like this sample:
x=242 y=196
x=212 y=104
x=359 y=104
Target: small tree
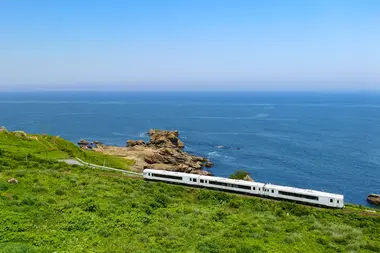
x=239 y=174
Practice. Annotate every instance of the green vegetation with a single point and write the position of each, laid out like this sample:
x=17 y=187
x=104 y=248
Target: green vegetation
x=53 y=147
x=60 y=208
x=239 y=174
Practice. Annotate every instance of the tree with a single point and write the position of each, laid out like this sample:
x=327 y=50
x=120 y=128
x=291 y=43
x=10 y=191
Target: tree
x=239 y=174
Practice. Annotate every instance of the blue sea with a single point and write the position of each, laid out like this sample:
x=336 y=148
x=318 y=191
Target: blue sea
x=322 y=141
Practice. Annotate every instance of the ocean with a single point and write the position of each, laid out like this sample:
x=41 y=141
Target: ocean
x=321 y=141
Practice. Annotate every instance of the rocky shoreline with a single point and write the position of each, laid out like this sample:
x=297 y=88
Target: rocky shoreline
x=374 y=199
x=163 y=151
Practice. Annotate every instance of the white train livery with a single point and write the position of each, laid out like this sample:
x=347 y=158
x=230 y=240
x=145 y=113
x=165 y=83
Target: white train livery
x=254 y=188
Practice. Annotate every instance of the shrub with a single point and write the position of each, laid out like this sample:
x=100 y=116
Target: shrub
x=16 y=248
x=293 y=238
x=60 y=191
x=39 y=188
x=104 y=232
x=239 y=174
x=20 y=173
x=28 y=201
x=3 y=186
x=88 y=205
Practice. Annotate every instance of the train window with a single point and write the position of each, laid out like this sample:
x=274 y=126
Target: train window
x=201 y=180
x=331 y=200
x=194 y=180
x=337 y=201
x=166 y=176
x=272 y=191
x=254 y=188
x=298 y=195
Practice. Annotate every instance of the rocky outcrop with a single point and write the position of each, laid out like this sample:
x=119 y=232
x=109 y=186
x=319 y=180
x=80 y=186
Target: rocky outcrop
x=248 y=178
x=86 y=145
x=374 y=199
x=131 y=143
x=83 y=142
x=20 y=134
x=12 y=181
x=165 y=139
x=163 y=151
x=3 y=129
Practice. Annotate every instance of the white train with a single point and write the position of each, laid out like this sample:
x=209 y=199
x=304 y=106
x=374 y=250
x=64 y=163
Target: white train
x=254 y=188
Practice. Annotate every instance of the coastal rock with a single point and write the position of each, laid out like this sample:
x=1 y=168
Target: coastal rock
x=20 y=134
x=248 y=178
x=86 y=145
x=131 y=143
x=209 y=164
x=374 y=199
x=13 y=181
x=164 y=138
x=3 y=129
x=83 y=142
x=163 y=151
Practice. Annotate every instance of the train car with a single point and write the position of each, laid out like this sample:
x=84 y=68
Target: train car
x=304 y=195
x=231 y=184
x=246 y=187
x=171 y=176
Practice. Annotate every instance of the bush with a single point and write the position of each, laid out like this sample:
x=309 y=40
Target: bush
x=88 y=205
x=16 y=248
x=28 y=201
x=60 y=191
x=239 y=174
x=39 y=188
x=3 y=186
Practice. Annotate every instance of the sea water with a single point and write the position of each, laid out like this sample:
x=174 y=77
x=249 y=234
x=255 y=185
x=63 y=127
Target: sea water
x=322 y=141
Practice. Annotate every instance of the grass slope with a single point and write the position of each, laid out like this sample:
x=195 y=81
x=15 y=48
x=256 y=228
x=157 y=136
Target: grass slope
x=52 y=147
x=61 y=208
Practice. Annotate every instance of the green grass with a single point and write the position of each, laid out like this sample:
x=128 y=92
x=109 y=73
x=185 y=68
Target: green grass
x=52 y=147
x=61 y=208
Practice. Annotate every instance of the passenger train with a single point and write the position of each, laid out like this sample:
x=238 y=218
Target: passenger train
x=253 y=188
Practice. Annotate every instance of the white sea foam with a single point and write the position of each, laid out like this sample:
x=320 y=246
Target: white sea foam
x=119 y=134
x=214 y=154
x=262 y=115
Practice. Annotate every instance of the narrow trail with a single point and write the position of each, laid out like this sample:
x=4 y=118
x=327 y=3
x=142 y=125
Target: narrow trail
x=80 y=162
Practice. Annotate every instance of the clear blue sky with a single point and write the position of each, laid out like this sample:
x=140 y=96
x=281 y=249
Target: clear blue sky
x=145 y=44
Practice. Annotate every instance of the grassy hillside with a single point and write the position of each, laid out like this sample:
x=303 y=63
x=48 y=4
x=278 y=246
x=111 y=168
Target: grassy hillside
x=53 y=147
x=60 y=208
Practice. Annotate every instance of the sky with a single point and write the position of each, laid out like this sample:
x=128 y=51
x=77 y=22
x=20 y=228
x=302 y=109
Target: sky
x=189 y=44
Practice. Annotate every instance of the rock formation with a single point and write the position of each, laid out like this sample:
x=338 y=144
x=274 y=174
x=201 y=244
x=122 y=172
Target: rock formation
x=20 y=134
x=3 y=129
x=86 y=145
x=248 y=178
x=131 y=143
x=13 y=181
x=374 y=199
x=166 y=139
x=163 y=151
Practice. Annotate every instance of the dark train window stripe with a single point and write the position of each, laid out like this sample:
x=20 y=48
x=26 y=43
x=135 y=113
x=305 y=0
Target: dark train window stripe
x=298 y=195
x=230 y=185
x=167 y=176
